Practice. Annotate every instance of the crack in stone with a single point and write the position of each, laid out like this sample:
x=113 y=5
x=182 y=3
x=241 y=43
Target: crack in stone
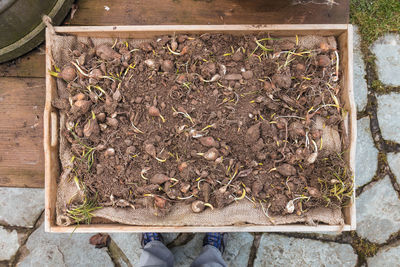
x=4 y=263
x=116 y=254
x=311 y=236
x=254 y=249
x=181 y=240
x=381 y=144
x=17 y=257
x=62 y=254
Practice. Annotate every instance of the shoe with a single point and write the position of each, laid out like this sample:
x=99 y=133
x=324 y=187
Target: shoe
x=148 y=237
x=217 y=240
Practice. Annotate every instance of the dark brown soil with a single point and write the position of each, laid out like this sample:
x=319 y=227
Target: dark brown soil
x=219 y=120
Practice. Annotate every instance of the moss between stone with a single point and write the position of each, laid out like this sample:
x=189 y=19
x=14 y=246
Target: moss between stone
x=375 y=17
x=380 y=88
x=363 y=248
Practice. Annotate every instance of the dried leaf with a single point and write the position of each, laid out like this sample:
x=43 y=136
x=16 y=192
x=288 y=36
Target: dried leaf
x=100 y=240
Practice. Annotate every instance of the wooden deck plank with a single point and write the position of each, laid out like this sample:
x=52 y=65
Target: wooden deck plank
x=21 y=132
x=127 y=12
x=30 y=65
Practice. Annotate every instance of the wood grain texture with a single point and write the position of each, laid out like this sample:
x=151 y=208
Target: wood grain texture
x=184 y=12
x=21 y=132
x=120 y=228
x=29 y=65
x=155 y=12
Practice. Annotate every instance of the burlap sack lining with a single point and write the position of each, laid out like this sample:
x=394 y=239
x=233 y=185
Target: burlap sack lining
x=240 y=213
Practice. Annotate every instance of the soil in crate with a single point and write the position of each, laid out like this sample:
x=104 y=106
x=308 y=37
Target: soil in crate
x=206 y=120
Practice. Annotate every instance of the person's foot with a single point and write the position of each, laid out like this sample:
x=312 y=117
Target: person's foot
x=217 y=240
x=148 y=237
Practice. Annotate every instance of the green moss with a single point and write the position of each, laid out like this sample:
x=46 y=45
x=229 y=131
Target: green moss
x=363 y=247
x=375 y=17
x=382 y=158
x=378 y=86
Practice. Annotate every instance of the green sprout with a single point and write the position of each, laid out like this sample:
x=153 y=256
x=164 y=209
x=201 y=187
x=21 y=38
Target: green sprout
x=83 y=212
x=260 y=45
x=186 y=115
x=89 y=154
x=229 y=54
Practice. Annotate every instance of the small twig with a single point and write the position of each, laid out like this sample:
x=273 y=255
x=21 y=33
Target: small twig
x=337 y=63
x=173 y=52
x=184 y=198
x=297 y=117
x=136 y=129
x=266 y=212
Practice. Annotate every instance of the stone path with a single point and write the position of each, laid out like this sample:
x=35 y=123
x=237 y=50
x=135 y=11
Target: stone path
x=376 y=242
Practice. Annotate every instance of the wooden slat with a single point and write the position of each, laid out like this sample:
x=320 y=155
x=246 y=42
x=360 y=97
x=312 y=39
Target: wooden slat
x=52 y=162
x=29 y=65
x=21 y=132
x=149 y=31
x=184 y=12
x=117 y=228
x=155 y=12
x=345 y=41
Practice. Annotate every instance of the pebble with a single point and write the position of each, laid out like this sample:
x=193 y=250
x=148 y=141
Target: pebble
x=138 y=100
x=130 y=150
x=233 y=77
x=238 y=56
x=101 y=117
x=113 y=122
x=247 y=75
x=99 y=169
x=128 y=142
x=117 y=95
x=109 y=152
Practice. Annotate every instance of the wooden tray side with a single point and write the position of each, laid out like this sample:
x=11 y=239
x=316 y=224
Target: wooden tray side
x=149 y=31
x=50 y=142
x=346 y=66
x=342 y=31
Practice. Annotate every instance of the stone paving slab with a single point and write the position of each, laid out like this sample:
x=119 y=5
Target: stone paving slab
x=20 y=206
x=9 y=243
x=50 y=249
x=378 y=211
x=386 y=257
x=387 y=52
x=130 y=245
x=279 y=250
x=394 y=164
x=388 y=115
x=366 y=153
x=359 y=83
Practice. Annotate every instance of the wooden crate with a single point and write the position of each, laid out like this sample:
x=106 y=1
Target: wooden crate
x=344 y=35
